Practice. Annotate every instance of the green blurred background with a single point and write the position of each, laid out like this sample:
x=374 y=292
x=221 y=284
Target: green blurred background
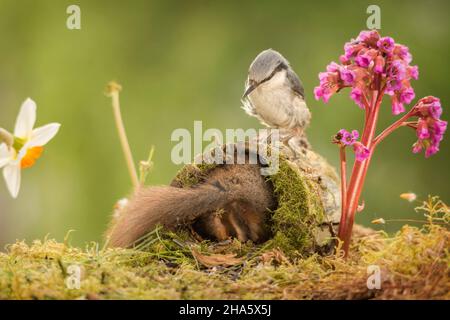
x=185 y=61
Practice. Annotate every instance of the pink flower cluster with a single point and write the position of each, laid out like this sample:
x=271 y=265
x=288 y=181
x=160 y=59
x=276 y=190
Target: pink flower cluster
x=430 y=128
x=369 y=62
x=345 y=138
x=374 y=66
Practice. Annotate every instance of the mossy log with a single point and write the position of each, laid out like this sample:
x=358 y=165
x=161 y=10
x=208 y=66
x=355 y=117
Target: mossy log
x=306 y=189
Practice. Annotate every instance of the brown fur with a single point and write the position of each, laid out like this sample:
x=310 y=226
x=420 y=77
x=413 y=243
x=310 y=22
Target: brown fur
x=233 y=201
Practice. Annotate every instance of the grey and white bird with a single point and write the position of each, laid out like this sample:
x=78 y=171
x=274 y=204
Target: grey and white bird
x=274 y=94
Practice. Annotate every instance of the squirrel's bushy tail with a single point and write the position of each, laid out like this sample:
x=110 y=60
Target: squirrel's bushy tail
x=166 y=206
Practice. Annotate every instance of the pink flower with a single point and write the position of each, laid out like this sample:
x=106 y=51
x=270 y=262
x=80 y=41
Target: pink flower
x=361 y=151
x=329 y=83
x=343 y=59
x=369 y=37
x=417 y=147
x=397 y=106
x=364 y=35
x=435 y=109
x=439 y=128
x=379 y=64
x=428 y=107
x=403 y=53
x=397 y=70
x=348 y=138
x=324 y=93
x=333 y=67
x=348 y=76
x=363 y=60
x=319 y=93
x=393 y=85
x=414 y=72
x=407 y=95
x=349 y=50
x=430 y=129
x=373 y=67
x=368 y=62
x=357 y=95
x=422 y=130
x=397 y=80
x=431 y=150
x=386 y=44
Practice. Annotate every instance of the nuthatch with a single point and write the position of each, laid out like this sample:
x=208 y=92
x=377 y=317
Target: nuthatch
x=275 y=95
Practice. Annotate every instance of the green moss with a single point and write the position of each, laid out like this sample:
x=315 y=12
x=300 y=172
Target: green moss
x=299 y=210
x=414 y=263
x=191 y=175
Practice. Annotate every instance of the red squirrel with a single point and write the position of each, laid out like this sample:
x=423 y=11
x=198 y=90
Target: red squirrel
x=233 y=200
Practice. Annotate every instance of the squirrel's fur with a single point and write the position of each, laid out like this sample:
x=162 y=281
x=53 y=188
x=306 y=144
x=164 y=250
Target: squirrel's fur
x=234 y=200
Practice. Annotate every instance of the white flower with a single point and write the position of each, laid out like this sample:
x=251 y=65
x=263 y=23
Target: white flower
x=27 y=145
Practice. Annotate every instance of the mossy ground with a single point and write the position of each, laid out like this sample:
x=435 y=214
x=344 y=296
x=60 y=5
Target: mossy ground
x=414 y=263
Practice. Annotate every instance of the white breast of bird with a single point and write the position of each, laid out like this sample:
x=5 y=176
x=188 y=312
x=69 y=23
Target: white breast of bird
x=277 y=105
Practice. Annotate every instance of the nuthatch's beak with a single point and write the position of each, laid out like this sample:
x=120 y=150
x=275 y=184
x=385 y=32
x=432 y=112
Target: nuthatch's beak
x=249 y=90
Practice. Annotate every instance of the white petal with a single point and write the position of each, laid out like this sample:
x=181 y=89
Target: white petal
x=5 y=155
x=26 y=119
x=40 y=136
x=22 y=152
x=11 y=173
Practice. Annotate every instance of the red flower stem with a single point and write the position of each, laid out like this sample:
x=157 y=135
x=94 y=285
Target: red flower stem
x=359 y=172
x=368 y=144
x=343 y=185
x=344 y=222
x=354 y=190
x=400 y=122
x=367 y=108
x=344 y=191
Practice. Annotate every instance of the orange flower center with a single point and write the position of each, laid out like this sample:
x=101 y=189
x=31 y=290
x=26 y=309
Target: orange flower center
x=30 y=157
